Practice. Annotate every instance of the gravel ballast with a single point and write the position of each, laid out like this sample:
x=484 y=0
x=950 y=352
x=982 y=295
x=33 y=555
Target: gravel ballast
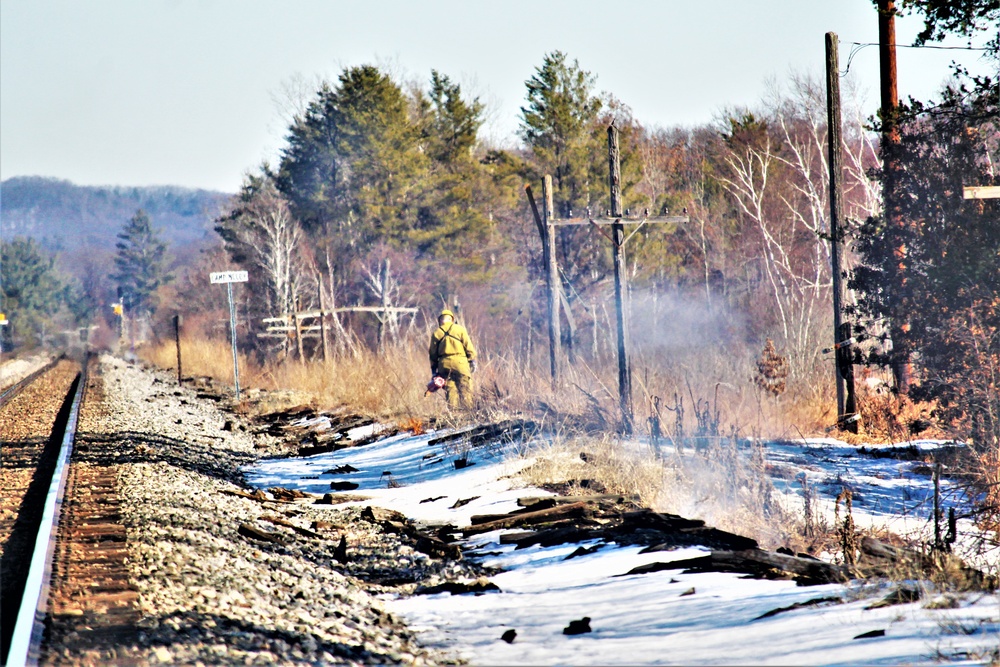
x=229 y=579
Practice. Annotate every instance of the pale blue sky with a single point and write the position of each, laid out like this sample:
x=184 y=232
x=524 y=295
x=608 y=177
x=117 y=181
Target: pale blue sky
x=182 y=92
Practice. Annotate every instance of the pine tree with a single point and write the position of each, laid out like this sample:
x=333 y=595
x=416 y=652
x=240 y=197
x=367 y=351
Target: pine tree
x=32 y=292
x=937 y=270
x=559 y=124
x=452 y=220
x=453 y=122
x=353 y=165
x=140 y=264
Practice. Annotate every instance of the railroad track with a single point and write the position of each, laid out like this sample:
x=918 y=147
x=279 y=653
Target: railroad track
x=63 y=575
x=16 y=388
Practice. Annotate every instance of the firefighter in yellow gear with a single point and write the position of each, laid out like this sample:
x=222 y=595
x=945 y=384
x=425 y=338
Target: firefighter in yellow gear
x=453 y=357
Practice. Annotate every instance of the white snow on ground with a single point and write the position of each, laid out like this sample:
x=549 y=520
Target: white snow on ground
x=648 y=619
x=13 y=370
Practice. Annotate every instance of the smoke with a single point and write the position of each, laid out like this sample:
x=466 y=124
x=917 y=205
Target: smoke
x=668 y=321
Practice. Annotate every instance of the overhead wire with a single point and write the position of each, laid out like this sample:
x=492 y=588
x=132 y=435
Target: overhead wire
x=856 y=47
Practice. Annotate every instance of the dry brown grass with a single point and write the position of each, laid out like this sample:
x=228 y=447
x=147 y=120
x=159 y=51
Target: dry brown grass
x=727 y=485
x=889 y=417
x=579 y=462
x=390 y=384
x=726 y=488
x=204 y=357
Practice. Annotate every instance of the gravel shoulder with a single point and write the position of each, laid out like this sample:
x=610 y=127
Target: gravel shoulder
x=227 y=578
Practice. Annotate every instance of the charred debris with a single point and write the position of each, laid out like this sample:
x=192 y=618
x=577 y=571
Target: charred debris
x=596 y=519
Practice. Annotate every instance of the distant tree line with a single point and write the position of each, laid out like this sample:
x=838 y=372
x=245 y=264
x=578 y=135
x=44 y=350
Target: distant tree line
x=377 y=172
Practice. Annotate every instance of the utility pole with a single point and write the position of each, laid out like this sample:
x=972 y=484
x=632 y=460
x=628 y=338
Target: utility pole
x=178 y=321
x=544 y=232
x=621 y=290
x=847 y=416
x=890 y=167
x=887 y=69
x=617 y=219
x=552 y=280
x=322 y=320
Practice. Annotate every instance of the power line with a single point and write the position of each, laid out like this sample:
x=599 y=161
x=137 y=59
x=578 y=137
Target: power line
x=857 y=47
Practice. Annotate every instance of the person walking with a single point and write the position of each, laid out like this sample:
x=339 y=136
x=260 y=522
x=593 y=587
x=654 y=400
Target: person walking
x=453 y=357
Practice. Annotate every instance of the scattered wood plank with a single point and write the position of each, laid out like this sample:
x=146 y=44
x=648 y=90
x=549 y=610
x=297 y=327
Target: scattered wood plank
x=394 y=522
x=528 y=501
x=479 y=586
x=815 y=602
x=281 y=493
x=343 y=486
x=528 y=518
x=510 y=429
x=258 y=496
x=340 y=498
x=278 y=521
x=254 y=533
x=757 y=563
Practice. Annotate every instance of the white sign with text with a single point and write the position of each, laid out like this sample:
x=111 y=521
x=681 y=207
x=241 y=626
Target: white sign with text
x=228 y=277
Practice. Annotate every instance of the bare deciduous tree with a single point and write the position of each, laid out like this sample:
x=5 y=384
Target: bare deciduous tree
x=261 y=234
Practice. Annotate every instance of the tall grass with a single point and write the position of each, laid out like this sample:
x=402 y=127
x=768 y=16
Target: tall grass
x=392 y=383
x=725 y=486
x=388 y=384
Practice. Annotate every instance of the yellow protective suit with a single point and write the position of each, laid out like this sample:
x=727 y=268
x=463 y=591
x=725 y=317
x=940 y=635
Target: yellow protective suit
x=450 y=352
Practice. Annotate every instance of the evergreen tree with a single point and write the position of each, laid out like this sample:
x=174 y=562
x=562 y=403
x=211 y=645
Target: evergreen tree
x=559 y=125
x=454 y=122
x=937 y=270
x=140 y=264
x=452 y=219
x=961 y=17
x=32 y=292
x=565 y=124
x=353 y=163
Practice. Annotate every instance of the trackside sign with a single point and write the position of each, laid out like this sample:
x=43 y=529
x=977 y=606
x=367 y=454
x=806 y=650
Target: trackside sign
x=228 y=277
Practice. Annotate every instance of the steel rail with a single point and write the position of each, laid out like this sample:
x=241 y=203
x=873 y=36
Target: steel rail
x=26 y=641
x=13 y=390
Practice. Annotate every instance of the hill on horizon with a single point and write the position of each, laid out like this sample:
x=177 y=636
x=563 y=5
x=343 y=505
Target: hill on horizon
x=64 y=217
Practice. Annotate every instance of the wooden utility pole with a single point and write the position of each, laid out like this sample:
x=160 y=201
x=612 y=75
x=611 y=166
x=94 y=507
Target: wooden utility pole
x=298 y=333
x=621 y=291
x=544 y=232
x=617 y=220
x=552 y=280
x=322 y=321
x=901 y=368
x=847 y=416
x=887 y=70
x=383 y=319
x=178 y=320
x=570 y=324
